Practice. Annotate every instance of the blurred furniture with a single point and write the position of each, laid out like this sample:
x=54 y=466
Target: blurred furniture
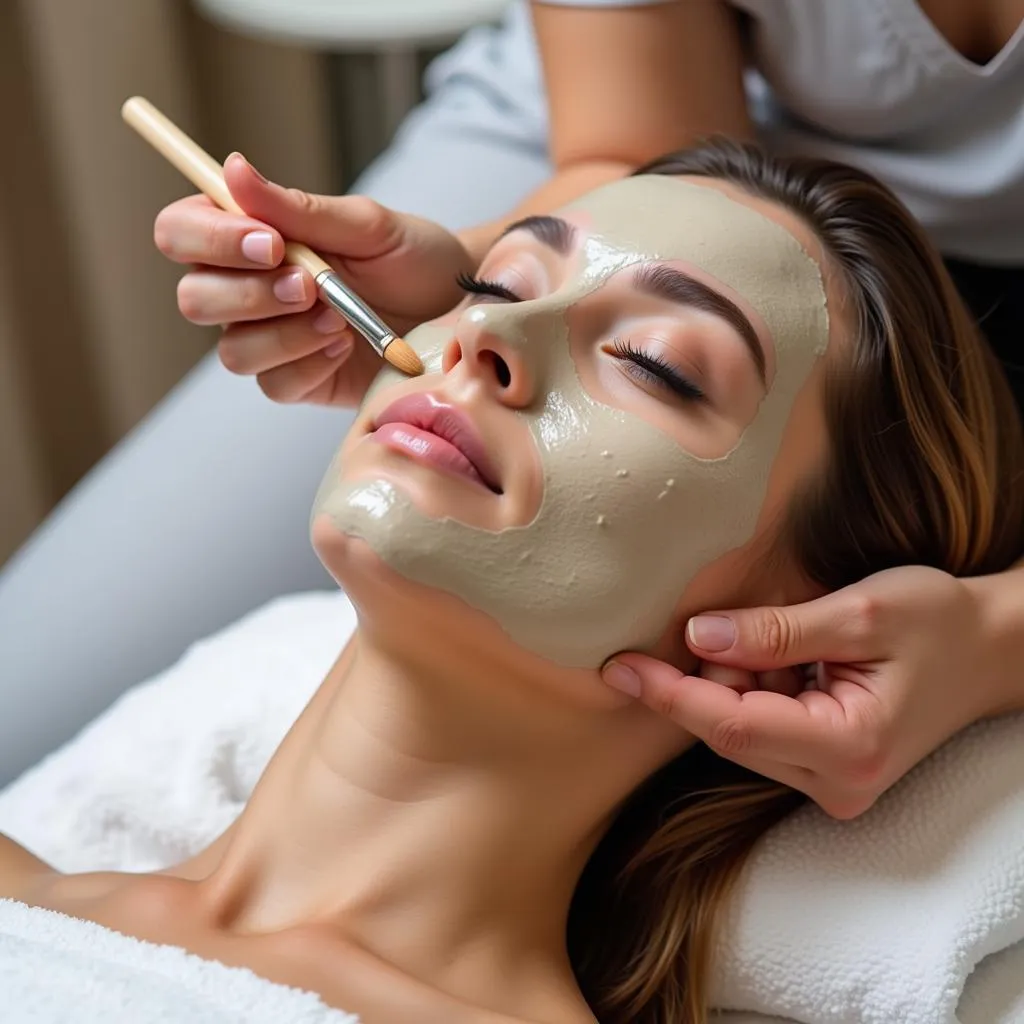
x=370 y=100
x=90 y=335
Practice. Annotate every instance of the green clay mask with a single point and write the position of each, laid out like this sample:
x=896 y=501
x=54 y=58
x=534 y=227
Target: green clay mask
x=628 y=516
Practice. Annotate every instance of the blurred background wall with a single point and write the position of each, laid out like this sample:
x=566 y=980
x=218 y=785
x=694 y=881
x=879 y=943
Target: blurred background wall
x=90 y=336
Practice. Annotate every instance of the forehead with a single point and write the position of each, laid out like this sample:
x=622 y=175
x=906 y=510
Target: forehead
x=665 y=218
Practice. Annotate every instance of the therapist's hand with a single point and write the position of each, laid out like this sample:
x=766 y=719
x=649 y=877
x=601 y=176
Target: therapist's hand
x=273 y=325
x=903 y=662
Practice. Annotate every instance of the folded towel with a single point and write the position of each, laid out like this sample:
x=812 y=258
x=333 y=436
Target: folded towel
x=994 y=994
x=881 y=919
x=55 y=969
x=995 y=991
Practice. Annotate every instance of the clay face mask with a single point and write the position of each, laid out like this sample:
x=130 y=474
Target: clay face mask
x=628 y=517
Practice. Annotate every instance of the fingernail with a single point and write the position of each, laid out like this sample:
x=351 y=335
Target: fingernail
x=258 y=246
x=337 y=348
x=711 y=632
x=621 y=677
x=330 y=321
x=290 y=287
x=253 y=169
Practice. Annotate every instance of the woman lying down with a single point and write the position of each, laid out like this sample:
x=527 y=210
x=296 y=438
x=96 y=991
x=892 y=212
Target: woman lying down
x=725 y=381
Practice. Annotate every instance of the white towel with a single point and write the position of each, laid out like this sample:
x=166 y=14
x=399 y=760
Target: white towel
x=172 y=762
x=55 y=969
x=877 y=920
x=881 y=920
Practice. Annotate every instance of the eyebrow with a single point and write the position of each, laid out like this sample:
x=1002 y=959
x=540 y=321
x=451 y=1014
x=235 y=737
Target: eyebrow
x=553 y=232
x=669 y=283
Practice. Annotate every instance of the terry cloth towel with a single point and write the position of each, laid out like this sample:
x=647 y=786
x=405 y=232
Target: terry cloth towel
x=876 y=921
x=55 y=969
x=882 y=919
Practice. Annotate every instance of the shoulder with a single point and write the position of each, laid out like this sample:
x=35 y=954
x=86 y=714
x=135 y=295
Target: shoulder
x=28 y=879
x=19 y=869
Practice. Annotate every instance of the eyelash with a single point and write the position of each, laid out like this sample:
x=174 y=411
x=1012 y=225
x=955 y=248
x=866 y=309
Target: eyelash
x=481 y=286
x=657 y=369
x=654 y=367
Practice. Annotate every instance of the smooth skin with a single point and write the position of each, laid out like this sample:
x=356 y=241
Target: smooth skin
x=910 y=656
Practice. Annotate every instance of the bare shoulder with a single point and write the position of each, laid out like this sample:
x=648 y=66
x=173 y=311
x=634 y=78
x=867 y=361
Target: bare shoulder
x=20 y=870
x=28 y=879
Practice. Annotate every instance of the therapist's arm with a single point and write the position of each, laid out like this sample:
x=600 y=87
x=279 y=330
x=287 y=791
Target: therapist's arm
x=624 y=85
x=1001 y=598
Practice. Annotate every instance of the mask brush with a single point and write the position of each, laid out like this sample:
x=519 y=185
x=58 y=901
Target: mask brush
x=208 y=176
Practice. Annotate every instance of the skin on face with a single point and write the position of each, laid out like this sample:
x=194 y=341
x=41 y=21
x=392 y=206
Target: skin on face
x=632 y=375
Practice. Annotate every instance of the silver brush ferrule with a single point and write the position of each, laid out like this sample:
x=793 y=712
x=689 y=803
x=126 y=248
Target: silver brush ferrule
x=355 y=311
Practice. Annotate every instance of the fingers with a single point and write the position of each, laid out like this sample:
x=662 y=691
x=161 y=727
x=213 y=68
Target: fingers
x=809 y=731
x=336 y=375
x=309 y=379
x=309 y=357
x=840 y=627
x=257 y=348
x=787 y=681
x=783 y=680
x=802 y=779
x=209 y=296
x=196 y=230
x=744 y=727
x=739 y=680
x=355 y=227
x=837 y=801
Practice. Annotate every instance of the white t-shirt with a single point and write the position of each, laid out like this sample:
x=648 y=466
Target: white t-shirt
x=873 y=83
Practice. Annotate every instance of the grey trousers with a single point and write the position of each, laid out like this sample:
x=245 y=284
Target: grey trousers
x=201 y=513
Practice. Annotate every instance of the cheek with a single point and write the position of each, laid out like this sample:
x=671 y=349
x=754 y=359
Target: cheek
x=802 y=454
x=622 y=483
x=699 y=428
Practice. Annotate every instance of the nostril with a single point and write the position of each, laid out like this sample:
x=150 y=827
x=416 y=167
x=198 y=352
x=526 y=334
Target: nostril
x=452 y=355
x=499 y=366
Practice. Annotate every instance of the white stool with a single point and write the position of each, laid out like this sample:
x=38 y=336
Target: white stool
x=393 y=30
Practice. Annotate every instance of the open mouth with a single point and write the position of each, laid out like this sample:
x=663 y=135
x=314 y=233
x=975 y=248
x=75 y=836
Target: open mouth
x=436 y=432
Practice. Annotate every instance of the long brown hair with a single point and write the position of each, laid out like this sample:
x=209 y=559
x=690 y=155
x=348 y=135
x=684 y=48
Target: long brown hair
x=925 y=467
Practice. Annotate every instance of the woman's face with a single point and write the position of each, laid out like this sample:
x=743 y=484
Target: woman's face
x=600 y=418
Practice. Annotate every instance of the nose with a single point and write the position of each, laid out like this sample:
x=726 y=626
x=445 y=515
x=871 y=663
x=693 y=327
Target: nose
x=492 y=345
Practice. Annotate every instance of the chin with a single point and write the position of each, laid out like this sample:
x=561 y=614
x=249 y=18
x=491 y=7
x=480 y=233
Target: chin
x=395 y=612
x=430 y=625
x=355 y=566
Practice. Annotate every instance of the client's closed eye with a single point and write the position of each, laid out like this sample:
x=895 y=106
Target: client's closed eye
x=484 y=286
x=649 y=368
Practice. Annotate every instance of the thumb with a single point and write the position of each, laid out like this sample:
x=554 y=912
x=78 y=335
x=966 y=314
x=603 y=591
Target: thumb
x=351 y=226
x=829 y=629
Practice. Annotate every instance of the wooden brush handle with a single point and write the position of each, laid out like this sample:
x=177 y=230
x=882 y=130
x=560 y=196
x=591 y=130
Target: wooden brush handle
x=203 y=171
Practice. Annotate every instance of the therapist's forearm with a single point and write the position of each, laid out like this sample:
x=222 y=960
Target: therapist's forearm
x=1001 y=598
x=565 y=185
x=624 y=84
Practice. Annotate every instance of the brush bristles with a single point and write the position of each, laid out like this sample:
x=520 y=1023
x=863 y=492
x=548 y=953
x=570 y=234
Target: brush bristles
x=400 y=355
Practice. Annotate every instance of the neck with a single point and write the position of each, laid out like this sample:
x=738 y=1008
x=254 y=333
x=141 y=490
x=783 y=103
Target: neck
x=439 y=818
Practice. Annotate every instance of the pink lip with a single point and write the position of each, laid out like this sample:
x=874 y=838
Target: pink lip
x=439 y=433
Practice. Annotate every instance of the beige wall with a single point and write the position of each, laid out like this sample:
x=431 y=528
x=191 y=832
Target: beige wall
x=90 y=337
